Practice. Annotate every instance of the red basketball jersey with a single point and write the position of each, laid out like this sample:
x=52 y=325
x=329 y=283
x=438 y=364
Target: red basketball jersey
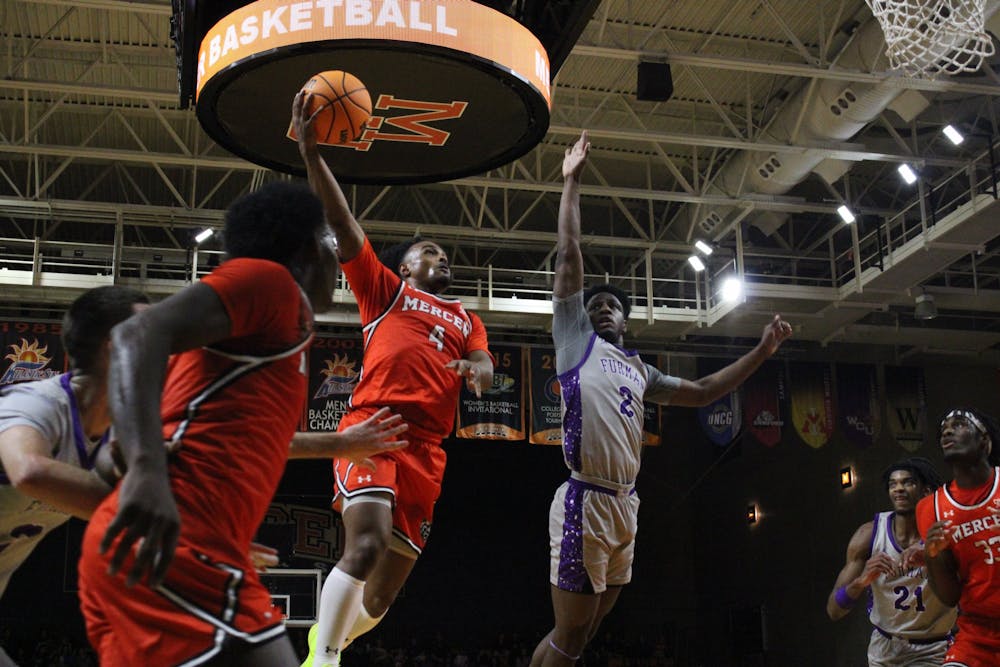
x=229 y=412
x=409 y=337
x=975 y=540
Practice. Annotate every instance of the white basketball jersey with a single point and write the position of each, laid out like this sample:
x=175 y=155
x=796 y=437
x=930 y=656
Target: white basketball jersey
x=49 y=407
x=904 y=605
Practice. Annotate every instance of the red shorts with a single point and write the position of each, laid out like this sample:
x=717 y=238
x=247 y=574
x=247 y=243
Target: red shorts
x=183 y=621
x=976 y=643
x=412 y=476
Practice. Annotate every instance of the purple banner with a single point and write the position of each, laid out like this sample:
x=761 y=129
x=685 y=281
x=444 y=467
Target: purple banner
x=857 y=403
x=334 y=367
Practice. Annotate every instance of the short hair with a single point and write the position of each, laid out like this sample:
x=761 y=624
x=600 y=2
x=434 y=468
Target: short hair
x=988 y=422
x=393 y=256
x=88 y=322
x=920 y=467
x=618 y=293
x=274 y=222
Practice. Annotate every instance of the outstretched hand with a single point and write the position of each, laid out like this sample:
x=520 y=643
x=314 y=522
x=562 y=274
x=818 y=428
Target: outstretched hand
x=913 y=557
x=775 y=333
x=375 y=435
x=938 y=538
x=576 y=157
x=879 y=564
x=263 y=556
x=303 y=123
x=148 y=521
x=474 y=379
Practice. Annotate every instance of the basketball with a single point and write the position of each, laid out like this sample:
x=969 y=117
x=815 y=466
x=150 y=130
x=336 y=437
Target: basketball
x=344 y=103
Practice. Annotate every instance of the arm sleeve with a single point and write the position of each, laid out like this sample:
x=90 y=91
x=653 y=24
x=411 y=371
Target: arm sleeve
x=373 y=284
x=256 y=294
x=571 y=330
x=660 y=386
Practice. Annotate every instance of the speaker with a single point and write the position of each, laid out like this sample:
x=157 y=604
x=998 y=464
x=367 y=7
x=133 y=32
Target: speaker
x=654 y=82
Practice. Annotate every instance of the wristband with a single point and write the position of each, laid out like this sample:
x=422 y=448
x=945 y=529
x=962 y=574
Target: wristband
x=844 y=601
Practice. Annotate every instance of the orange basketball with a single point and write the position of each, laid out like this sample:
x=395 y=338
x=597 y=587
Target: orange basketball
x=344 y=103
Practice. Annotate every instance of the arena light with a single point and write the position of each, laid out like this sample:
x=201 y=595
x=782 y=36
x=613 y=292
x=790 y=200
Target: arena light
x=846 y=478
x=907 y=173
x=752 y=514
x=732 y=289
x=696 y=263
x=703 y=247
x=204 y=235
x=845 y=214
x=954 y=136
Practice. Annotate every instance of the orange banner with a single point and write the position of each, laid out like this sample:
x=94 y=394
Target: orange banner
x=460 y=25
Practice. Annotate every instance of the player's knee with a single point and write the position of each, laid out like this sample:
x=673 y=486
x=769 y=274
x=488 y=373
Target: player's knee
x=377 y=602
x=571 y=636
x=366 y=550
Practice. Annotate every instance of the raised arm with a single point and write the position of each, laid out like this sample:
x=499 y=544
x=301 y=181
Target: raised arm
x=25 y=454
x=140 y=347
x=350 y=236
x=374 y=435
x=569 y=259
x=704 y=390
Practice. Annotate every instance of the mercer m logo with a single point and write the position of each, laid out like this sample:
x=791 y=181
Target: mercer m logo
x=414 y=125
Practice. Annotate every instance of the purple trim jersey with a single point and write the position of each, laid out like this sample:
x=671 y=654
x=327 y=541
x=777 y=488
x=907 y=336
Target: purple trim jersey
x=604 y=388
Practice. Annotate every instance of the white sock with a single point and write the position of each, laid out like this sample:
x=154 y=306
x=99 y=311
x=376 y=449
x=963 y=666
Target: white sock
x=338 y=608
x=362 y=624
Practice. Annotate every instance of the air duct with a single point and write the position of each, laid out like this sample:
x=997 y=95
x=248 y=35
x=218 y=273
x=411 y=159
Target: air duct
x=834 y=111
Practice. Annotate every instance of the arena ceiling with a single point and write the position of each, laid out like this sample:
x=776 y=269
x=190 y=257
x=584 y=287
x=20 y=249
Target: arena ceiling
x=104 y=176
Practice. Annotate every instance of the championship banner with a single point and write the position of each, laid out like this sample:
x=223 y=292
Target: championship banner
x=31 y=351
x=857 y=403
x=499 y=414
x=546 y=396
x=763 y=398
x=812 y=402
x=334 y=367
x=906 y=405
x=721 y=420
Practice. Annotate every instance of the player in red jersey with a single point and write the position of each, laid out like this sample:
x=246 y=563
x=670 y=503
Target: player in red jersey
x=204 y=460
x=418 y=347
x=962 y=541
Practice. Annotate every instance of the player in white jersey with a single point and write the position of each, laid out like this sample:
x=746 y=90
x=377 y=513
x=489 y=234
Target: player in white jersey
x=52 y=432
x=910 y=624
x=593 y=515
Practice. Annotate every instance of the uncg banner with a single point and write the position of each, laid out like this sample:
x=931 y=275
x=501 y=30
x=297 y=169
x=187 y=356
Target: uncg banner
x=31 y=351
x=722 y=419
x=857 y=403
x=906 y=405
x=764 y=403
x=334 y=368
x=499 y=413
x=546 y=395
x=812 y=402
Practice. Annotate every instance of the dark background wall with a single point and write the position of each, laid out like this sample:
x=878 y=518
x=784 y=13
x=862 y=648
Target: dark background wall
x=703 y=578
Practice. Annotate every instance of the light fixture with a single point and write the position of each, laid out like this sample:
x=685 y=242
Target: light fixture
x=513 y=296
x=925 y=308
x=78 y=253
x=696 y=263
x=752 y=513
x=954 y=136
x=703 y=247
x=907 y=173
x=203 y=235
x=732 y=289
x=845 y=214
x=846 y=478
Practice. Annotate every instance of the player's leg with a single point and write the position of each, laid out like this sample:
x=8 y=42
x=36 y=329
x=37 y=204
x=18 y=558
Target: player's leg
x=608 y=599
x=368 y=528
x=381 y=589
x=575 y=615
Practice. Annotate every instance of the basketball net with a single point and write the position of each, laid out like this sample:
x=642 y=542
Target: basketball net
x=926 y=37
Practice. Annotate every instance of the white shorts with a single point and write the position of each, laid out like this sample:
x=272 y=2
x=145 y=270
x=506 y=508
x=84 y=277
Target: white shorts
x=592 y=536
x=898 y=652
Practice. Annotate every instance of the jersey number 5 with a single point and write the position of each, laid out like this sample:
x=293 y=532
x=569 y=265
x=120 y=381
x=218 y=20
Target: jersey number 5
x=436 y=336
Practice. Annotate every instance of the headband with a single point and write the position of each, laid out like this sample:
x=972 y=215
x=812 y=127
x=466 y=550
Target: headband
x=968 y=416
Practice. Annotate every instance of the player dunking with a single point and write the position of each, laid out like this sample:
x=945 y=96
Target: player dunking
x=418 y=347
x=592 y=520
x=204 y=460
x=910 y=625
x=961 y=528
